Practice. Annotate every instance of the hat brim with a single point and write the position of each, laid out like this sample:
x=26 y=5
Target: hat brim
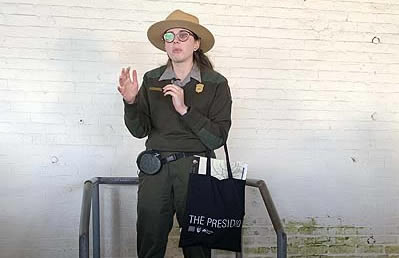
x=156 y=31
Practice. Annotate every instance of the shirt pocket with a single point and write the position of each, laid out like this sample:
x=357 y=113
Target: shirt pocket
x=199 y=97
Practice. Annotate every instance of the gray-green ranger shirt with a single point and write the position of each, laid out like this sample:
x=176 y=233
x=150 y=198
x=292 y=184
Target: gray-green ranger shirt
x=204 y=126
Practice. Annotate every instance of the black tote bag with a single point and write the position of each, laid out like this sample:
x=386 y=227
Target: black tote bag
x=214 y=210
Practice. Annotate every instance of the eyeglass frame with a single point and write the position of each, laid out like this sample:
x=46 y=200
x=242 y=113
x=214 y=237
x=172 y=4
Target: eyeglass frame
x=175 y=35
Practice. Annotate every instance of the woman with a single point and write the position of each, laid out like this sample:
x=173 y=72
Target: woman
x=184 y=108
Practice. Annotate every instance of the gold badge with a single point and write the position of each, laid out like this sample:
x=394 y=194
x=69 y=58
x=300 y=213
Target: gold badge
x=199 y=88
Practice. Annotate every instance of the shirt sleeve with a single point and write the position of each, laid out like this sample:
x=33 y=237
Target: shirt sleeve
x=137 y=115
x=212 y=130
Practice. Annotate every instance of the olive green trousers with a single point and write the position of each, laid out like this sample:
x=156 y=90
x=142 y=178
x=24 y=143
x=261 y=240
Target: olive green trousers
x=160 y=196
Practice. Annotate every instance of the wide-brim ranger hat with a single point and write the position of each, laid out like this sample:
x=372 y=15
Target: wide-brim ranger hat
x=180 y=19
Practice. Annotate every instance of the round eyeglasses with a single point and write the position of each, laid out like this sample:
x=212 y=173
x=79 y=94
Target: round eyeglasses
x=182 y=36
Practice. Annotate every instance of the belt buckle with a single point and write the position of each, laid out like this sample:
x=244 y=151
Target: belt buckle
x=171 y=157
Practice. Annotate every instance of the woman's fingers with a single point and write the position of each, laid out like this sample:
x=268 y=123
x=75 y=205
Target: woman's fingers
x=176 y=92
x=134 y=76
x=125 y=73
x=177 y=95
x=173 y=88
x=124 y=76
x=128 y=88
x=170 y=93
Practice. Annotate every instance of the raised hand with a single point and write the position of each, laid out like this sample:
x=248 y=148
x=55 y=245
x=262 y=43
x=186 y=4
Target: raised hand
x=128 y=87
x=177 y=94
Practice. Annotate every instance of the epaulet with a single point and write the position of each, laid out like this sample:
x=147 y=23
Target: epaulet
x=213 y=76
x=155 y=73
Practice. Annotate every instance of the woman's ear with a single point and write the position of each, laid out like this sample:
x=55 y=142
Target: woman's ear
x=197 y=44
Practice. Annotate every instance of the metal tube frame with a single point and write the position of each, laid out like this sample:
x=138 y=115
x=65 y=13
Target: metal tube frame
x=91 y=194
x=91 y=199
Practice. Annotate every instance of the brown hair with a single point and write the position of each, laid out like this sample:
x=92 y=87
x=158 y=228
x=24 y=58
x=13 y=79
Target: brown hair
x=202 y=60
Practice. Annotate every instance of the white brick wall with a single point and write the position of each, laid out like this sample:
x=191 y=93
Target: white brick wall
x=316 y=108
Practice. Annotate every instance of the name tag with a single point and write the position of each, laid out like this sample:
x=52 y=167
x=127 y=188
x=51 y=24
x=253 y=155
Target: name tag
x=156 y=89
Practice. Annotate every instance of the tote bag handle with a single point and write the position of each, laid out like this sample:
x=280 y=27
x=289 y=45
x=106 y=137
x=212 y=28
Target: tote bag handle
x=208 y=162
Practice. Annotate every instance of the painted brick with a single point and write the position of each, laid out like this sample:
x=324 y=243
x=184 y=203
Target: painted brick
x=41 y=86
x=370 y=249
x=392 y=249
x=310 y=92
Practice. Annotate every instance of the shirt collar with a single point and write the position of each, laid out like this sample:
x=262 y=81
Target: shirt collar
x=169 y=74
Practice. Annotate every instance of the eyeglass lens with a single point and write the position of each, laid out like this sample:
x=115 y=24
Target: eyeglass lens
x=181 y=36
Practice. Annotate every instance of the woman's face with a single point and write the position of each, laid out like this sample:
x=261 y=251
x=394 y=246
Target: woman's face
x=180 y=44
